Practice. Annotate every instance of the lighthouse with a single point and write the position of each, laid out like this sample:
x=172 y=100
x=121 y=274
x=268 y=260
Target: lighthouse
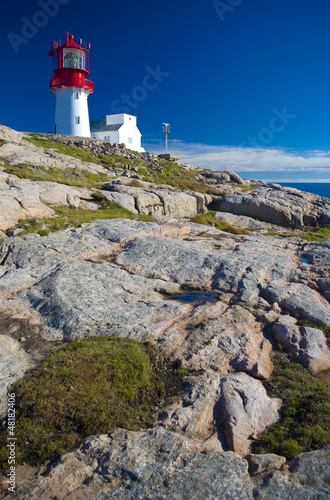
x=70 y=69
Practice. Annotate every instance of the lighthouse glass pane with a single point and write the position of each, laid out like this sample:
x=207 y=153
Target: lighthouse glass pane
x=74 y=58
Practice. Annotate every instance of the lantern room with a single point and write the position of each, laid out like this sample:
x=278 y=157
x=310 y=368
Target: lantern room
x=70 y=64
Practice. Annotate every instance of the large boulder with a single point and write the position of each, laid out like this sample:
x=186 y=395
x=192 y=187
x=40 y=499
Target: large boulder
x=300 y=301
x=282 y=207
x=307 y=345
x=9 y=135
x=246 y=411
x=308 y=478
x=153 y=201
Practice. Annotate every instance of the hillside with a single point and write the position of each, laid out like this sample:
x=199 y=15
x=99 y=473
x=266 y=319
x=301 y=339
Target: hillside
x=198 y=301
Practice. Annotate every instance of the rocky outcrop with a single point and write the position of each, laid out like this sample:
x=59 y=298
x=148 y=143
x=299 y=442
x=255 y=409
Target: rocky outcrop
x=28 y=153
x=151 y=201
x=240 y=221
x=158 y=464
x=25 y=199
x=17 y=203
x=131 y=269
x=9 y=135
x=283 y=207
x=213 y=302
x=300 y=301
x=222 y=177
x=155 y=464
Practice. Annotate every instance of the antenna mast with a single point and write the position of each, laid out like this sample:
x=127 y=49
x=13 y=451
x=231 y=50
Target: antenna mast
x=166 y=131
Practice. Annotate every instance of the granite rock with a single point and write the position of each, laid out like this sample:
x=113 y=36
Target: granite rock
x=246 y=411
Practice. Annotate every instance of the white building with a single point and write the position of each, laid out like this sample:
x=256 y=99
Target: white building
x=120 y=129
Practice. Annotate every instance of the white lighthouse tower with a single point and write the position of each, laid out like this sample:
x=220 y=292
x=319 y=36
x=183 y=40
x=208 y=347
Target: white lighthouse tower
x=70 y=68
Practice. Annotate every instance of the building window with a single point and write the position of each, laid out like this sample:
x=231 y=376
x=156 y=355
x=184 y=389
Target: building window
x=77 y=120
x=107 y=138
x=130 y=140
x=76 y=95
x=94 y=136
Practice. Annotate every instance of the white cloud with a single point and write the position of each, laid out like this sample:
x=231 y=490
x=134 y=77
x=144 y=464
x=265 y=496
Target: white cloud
x=312 y=163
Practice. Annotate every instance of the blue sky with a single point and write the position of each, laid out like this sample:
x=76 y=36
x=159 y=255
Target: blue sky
x=245 y=84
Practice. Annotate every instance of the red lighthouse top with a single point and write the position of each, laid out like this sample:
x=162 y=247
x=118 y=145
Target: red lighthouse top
x=70 y=64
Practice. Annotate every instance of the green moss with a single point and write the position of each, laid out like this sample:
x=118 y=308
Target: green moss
x=68 y=176
x=271 y=233
x=87 y=388
x=70 y=217
x=305 y=424
x=2 y=142
x=316 y=233
x=183 y=372
x=209 y=220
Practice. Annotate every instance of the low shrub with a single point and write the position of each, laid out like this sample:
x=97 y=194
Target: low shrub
x=71 y=217
x=89 y=387
x=305 y=423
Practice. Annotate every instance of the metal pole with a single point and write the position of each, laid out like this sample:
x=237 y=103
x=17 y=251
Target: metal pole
x=166 y=131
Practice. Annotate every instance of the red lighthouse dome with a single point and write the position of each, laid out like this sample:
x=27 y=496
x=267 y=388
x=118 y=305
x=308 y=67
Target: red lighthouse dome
x=70 y=65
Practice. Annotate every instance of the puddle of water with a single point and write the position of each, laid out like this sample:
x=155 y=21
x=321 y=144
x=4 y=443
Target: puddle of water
x=304 y=260
x=195 y=297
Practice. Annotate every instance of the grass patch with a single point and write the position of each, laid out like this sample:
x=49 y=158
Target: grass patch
x=305 y=425
x=271 y=232
x=209 y=220
x=178 y=177
x=244 y=187
x=88 y=388
x=71 y=217
x=82 y=153
x=309 y=324
x=135 y=183
x=183 y=372
x=308 y=233
x=317 y=233
x=68 y=176
x=2 y=142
